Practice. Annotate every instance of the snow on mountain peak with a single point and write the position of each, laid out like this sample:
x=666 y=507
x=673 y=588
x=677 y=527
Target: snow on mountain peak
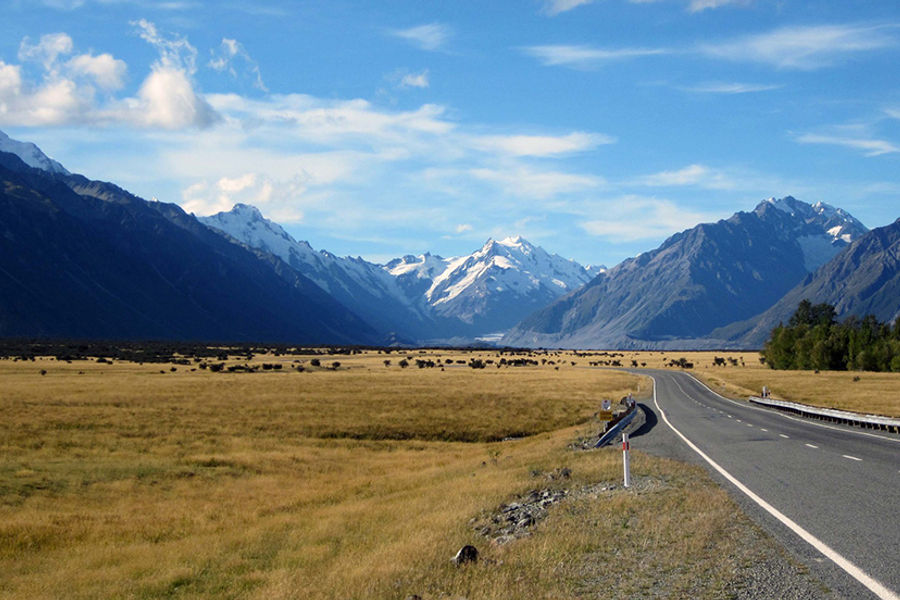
x=820 y=229
x=248 y=225
x=514 y=241
x=511 y=265
x=788 y=204
x=248 y=211
x=31 y=155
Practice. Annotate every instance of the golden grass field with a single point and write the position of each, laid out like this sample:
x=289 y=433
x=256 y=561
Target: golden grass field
x=863 y=392
x=122 y=481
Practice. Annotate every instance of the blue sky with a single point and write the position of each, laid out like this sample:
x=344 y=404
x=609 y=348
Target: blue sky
x=593 y=128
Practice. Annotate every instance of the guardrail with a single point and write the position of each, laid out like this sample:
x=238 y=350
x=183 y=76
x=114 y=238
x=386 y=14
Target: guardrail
x=613 y=431
x=832 y=414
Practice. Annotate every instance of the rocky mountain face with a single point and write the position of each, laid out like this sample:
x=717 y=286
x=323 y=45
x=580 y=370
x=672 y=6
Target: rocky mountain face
x=363 y=287
x=423 y=298
x=697 y=281
x=864 y=279
x=86 y=259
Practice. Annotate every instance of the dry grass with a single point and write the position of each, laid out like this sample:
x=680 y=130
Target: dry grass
x=868 y=393
x=130 y=483
x=862 y=392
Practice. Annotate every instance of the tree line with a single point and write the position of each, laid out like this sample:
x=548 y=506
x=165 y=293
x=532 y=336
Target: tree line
x=813 y=339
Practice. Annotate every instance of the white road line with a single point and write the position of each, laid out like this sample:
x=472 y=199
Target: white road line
x=739 y=421
x=764 y=429
x=787 y=437
x=858 y=574
x=811 y=446
x=749 y=425
x=851 y=457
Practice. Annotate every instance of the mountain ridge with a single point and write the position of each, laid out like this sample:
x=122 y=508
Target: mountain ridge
x=83 y=258
x=86 y=259
x=425 y=297
x=696 y=281
x=864 y=279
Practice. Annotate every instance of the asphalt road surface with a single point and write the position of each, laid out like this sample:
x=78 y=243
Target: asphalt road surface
x=829 y=493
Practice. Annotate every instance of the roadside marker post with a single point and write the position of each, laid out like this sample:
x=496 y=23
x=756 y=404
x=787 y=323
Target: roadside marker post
x=626 y=446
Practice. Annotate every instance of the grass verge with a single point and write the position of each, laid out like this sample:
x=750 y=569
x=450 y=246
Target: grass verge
x=125 y=481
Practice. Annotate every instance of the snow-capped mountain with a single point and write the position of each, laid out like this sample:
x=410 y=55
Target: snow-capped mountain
x=821 y=229
x=697 y=281
x=425 y=297
x=363 y=287
x=863 y=280
x=495 y=286
x=31 y=155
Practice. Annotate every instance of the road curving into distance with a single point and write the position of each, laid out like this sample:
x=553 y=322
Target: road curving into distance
x=829 y=493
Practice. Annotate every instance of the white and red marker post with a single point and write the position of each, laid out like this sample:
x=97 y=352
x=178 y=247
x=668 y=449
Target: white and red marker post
x=626 y=446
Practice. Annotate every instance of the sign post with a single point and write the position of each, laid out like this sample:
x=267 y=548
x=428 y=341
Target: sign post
x=626 y=446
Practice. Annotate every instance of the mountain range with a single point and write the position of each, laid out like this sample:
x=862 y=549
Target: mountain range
x=425 y=298
x=87 y=259
x=863 y=279
x=697 y=281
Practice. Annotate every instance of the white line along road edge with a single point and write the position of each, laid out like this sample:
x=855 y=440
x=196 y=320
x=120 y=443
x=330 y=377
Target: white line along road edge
x=874 y=586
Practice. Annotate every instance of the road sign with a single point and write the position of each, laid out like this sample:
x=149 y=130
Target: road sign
x=605 y=415
x=606 y=404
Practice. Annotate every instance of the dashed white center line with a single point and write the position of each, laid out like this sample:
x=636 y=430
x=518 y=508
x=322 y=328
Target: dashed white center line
x=749 y=425
x=787 y=437
x=764 y=429
x=729 y=416
x=851 y=457
x=811 y=446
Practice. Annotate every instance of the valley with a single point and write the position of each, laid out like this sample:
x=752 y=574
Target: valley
x=360 y=479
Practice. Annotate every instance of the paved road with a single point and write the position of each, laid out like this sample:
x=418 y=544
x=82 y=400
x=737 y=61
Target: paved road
x=840 y=485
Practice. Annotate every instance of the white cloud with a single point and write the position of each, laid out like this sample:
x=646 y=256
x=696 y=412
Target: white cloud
x=869 y=146
x=10 y=85
x=803 y=47
x=692 y=175
x=64 y=4
x=632 y=218
x=418 y=80
x=167 y=100
x=56 y=101
x=106 y=71
x=231 y=51
x=326 y=121
x=555 y=7
x=67 y=92
x=540 y=145
x=47 y=51
x=526 y=182
x=175 y=52
x=432 y=36
x=583 y=56
x=463 y=228
x=701 y=5
x=278 y=200
x=718 y=87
